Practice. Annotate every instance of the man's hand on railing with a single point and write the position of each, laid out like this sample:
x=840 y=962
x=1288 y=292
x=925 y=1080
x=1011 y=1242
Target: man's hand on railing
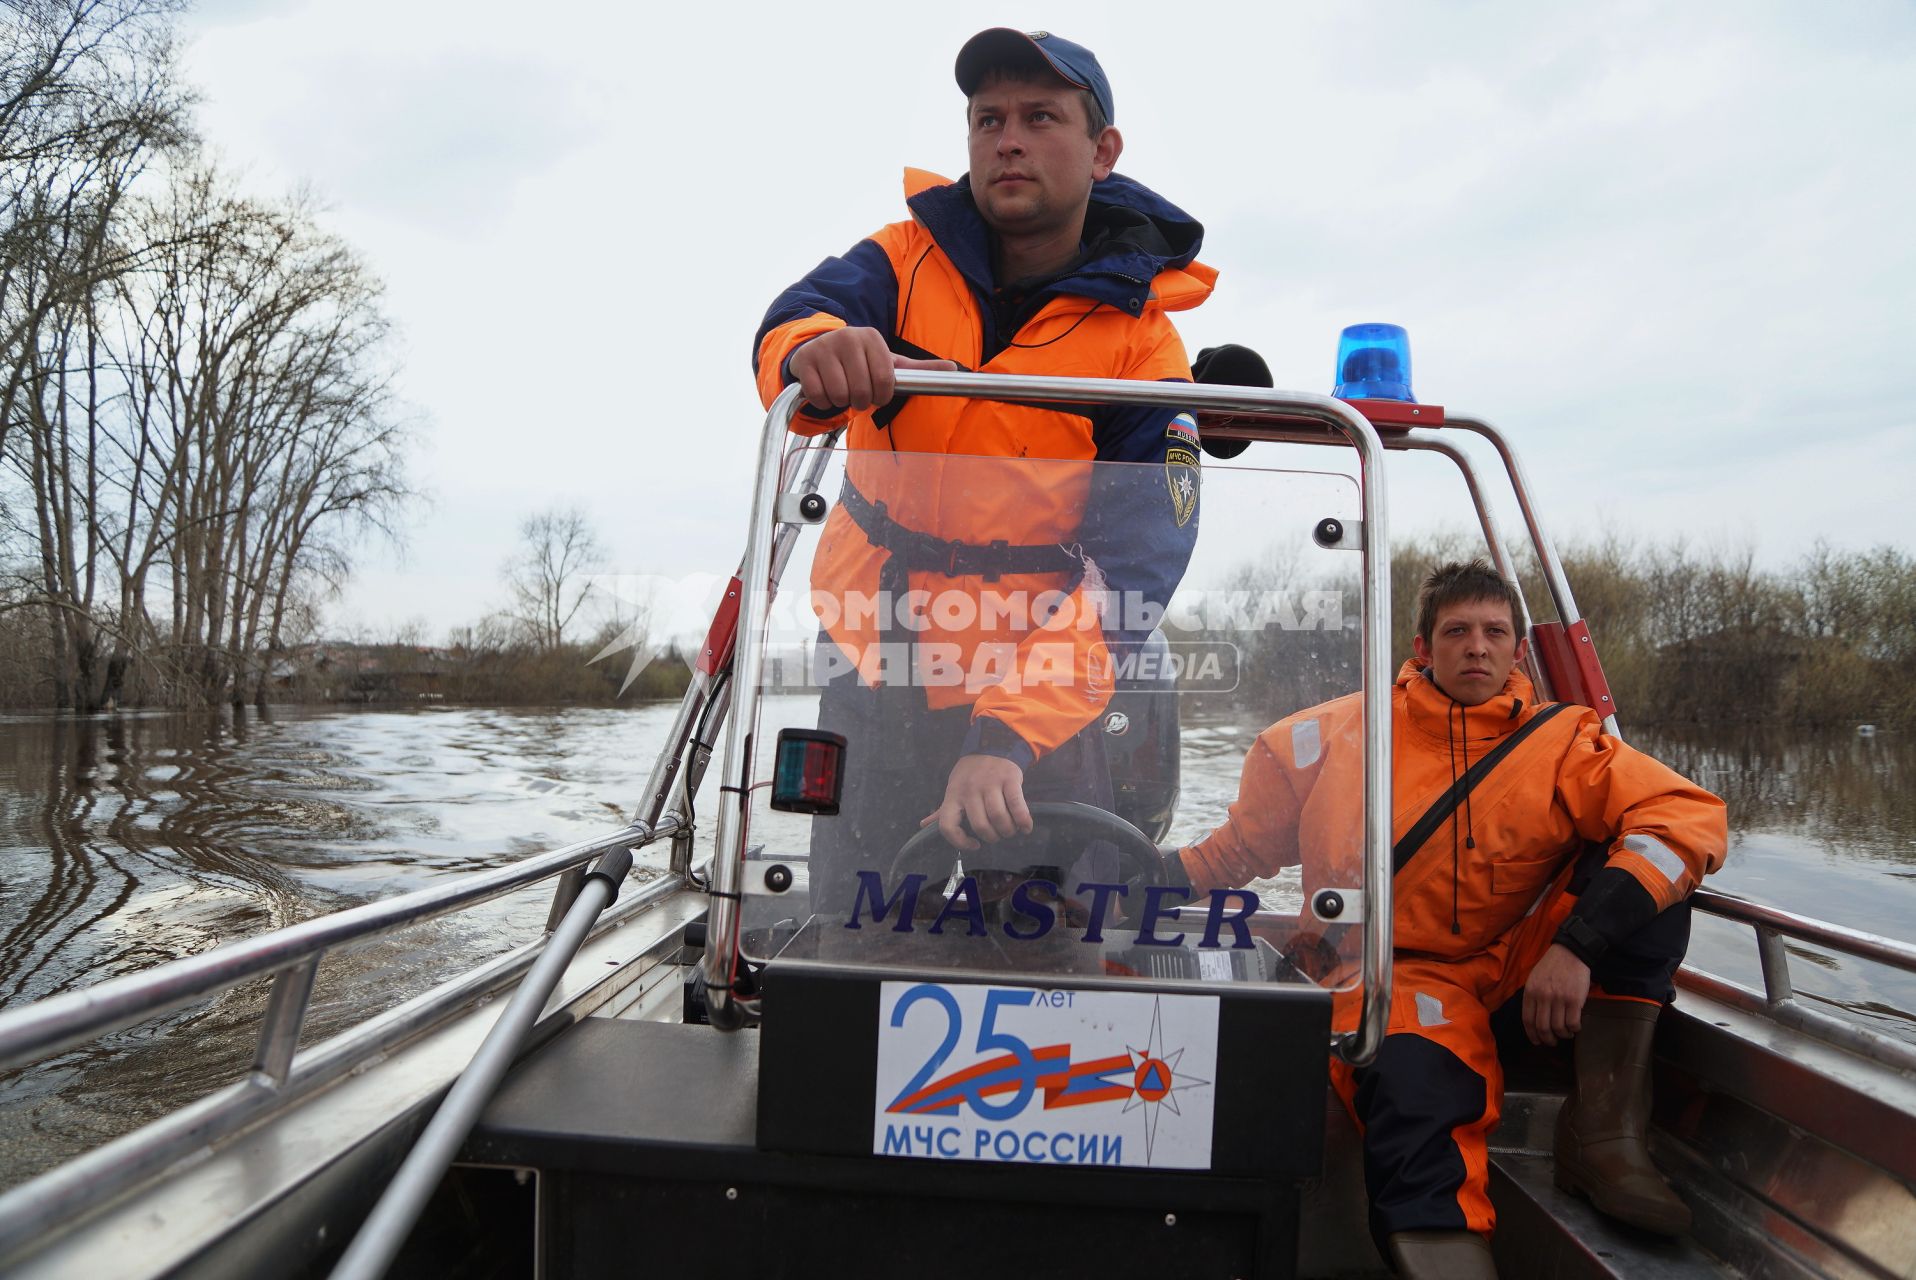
x=852 y=369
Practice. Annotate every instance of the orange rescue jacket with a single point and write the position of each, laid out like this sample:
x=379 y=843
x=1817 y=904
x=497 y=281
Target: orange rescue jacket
x=1300 y=802
x=926 y=284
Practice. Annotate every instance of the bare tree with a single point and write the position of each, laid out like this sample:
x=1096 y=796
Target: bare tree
x=214 y=430
x=87 y=101
x=548 y=576
x=196 y=414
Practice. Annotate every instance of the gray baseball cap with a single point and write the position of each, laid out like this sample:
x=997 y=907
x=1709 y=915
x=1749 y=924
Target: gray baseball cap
x=1003 y=48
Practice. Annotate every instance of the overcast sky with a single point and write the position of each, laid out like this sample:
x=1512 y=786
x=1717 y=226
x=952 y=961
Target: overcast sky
x=1669 y=248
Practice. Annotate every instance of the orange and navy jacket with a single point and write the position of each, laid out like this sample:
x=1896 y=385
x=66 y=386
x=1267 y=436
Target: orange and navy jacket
x=927 y=285
x=1300 y=801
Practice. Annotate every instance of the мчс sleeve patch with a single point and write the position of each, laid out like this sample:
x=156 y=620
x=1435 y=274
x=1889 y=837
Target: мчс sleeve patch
x=1181 y=466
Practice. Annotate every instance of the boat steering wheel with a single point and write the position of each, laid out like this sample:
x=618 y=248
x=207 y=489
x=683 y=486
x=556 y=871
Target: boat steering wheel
x=1138 y=858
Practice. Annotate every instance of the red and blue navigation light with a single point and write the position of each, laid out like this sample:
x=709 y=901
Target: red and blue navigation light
x=1373 y=363
x=809 y=776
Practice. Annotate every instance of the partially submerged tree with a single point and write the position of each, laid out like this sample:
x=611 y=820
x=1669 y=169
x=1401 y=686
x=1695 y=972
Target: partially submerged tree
x=196 y=407
x=87 y=103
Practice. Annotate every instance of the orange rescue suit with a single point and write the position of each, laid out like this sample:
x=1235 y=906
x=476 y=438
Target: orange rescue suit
x=1476 y=905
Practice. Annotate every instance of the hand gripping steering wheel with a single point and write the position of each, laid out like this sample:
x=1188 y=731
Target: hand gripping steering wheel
x=1138 y=858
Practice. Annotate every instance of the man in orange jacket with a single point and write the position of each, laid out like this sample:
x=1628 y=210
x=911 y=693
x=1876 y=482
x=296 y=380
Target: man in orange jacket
x=1041 y=260
x=1562 y=874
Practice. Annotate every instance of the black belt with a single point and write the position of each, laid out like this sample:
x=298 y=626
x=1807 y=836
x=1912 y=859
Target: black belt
x=908 y=550
x=911 y=550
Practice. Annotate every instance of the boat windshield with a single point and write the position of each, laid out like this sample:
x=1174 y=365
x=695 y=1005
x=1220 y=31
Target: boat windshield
x=1129 y=634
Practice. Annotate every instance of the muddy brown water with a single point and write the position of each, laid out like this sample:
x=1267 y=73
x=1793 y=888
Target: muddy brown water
x=132 y=839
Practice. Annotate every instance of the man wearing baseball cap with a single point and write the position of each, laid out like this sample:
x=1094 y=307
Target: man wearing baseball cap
x=1040 y=260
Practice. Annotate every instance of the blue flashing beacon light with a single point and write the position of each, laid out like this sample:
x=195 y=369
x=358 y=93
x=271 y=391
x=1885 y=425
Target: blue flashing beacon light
x=1373 y=363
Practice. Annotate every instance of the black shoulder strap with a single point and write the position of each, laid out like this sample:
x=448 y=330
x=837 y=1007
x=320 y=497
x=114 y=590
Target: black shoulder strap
x=1447 y=803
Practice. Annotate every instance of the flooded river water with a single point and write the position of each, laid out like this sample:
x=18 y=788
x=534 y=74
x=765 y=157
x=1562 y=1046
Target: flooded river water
x=132 y=839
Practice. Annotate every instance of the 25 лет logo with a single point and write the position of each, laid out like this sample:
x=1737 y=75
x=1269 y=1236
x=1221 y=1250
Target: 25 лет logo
x=1021 y=1075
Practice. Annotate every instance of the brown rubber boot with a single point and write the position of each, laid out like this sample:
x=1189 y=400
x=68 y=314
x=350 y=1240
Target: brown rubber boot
x=1601 y=1152
x=1441 y=1255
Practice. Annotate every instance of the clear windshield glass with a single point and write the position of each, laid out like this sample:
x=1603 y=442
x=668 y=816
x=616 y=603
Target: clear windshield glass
x=1117 y=639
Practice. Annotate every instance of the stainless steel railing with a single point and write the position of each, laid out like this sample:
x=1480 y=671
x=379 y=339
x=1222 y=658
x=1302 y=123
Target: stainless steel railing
x=74 y=1017
x=28 y=1213
x=1779 y=1000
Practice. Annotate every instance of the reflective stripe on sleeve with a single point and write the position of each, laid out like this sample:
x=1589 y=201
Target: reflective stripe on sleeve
x=1657 y=854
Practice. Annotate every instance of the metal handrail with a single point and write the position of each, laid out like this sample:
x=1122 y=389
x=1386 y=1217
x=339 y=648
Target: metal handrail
x=74 y=1017
x=1851 y=942
x=29 y=1212
x=384 y=1232
x=1778 y=1000
x=1426 y=440
x=721 y=965
x=1283 y=430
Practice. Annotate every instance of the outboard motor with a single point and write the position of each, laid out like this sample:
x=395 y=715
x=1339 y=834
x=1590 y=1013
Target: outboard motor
x=1141 y=738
